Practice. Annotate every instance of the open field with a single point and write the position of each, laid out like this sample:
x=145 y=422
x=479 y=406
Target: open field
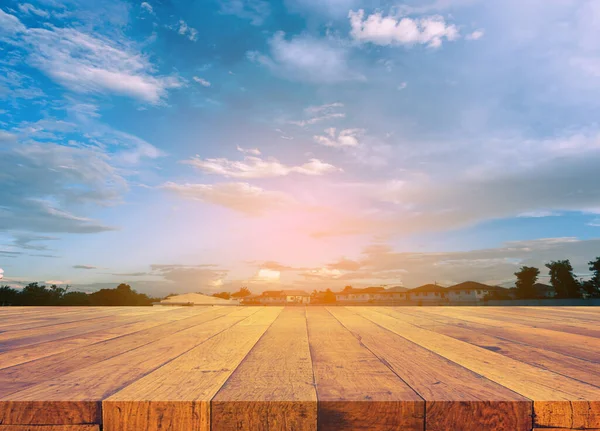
x=297 y=368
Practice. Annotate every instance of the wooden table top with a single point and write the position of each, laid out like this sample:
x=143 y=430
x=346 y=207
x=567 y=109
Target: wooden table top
x=299 y=368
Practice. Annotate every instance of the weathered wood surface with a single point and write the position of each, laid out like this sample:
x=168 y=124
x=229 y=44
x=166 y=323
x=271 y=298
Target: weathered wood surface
x=299 y=368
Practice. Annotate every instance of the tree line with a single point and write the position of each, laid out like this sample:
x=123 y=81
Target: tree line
x=562 y=279
x=41 y=295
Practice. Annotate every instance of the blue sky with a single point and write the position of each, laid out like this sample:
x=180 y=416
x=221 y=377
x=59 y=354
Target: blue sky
x=201 y=146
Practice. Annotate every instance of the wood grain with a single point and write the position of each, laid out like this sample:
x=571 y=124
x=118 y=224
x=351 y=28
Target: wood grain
x=177 y=396
x=456 y=398
x=76 y=397
x=355 y=389
x=273 y=388
x=558 y=400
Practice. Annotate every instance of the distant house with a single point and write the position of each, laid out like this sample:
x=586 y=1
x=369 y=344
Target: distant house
x=279 y=297
x=428 y=293
x=544 y=290
x=357 y=295
x=471 y=291
x=371 y=295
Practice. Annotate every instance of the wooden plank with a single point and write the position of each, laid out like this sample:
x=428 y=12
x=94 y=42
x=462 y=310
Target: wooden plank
x=49 y=428
x=177 y=395
x=579 y=346
x=455 y=397
x=17 y=378
x=579 y=369
x=75 y=398
x=558 y=400
x=273 y=388
x=37 y=351
x=528 y=318
x=355 y=389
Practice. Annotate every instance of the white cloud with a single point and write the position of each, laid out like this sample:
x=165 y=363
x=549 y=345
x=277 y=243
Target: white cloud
x=345 y=138
x=147 y=7
x=253 y=151
x=254 y=10
x=305 y=58
x=89 y=64
x=331 y=8
x=84 y=267
x=595 y=223
x=241 y=197
x=190 y=32
x=388 y=30
x=30 y=9
x=202 y=81
x=1 y=273
x=10 y=24
x=317 y=114
x=476 y=35
x=255 y=167
x=402 y=86
x=268 y=275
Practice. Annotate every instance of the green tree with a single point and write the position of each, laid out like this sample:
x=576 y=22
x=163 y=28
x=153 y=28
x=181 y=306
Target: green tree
x=526 y=278
x=592 y=286
x=563 y=280
x=8 y=295
x=75 y=298
x=36 y=294
x=123 y=294
x=329 y=297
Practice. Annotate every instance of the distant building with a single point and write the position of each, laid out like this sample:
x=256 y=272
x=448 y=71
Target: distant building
x=428 y=293
x=279 y=297
x=371 y=295
x=471 y=291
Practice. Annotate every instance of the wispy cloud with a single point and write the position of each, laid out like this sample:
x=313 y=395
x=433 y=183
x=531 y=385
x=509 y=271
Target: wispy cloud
x=87 y=63
x=254 y=10
x=388 y=30
x=202 y=81
x=305 y=58
x=241 y=197
x=317 y=114
x=84 y=267
x=343 y=138
x=190 y=32
x=255 y=167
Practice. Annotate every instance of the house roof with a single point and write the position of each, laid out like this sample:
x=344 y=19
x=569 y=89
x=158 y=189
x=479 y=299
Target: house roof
x=473 y=285
x=295 y=293
x=273 y=293
x=428 y=288
x=376 y=289
x=280 y=293
x=396 y=289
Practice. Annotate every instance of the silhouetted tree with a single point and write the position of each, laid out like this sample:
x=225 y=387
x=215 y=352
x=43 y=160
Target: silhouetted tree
x=592 y=286
x=563 y=280
x=75 y=298
x=329 y=297
x=347 y=288
x=36 y=294
x=243 y=292
x=122 y=295
x=224 y=295
x=526 y=278
x=8 y=295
